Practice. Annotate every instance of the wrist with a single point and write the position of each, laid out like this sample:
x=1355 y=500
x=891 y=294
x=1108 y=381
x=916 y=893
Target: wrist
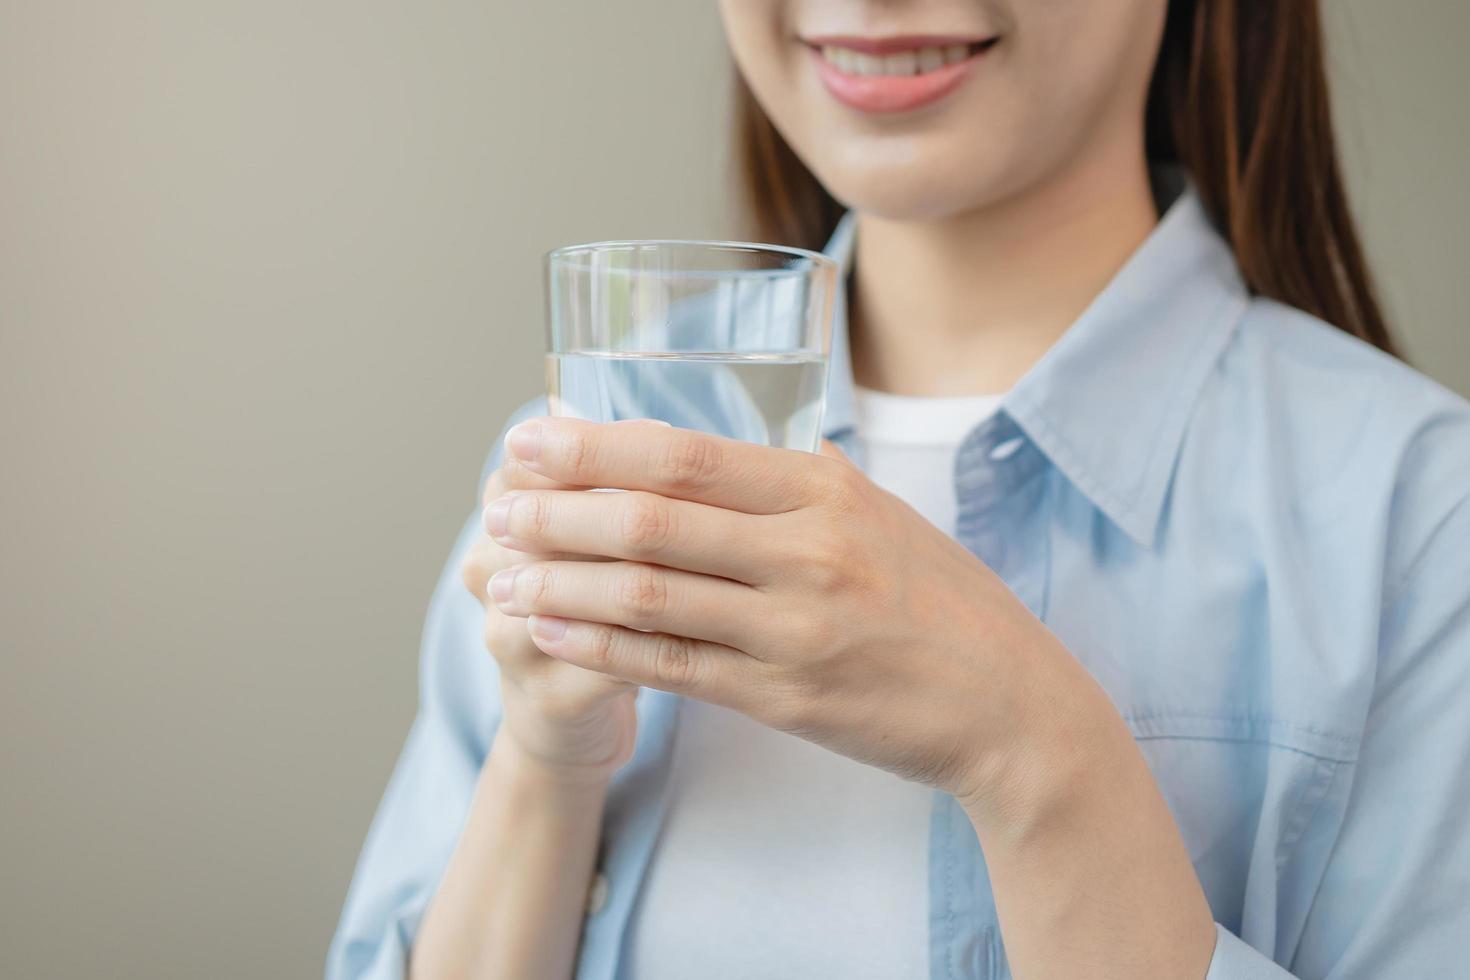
x=1065 y=747
x=581 y=737
x=1069 y=817
x=531 y=769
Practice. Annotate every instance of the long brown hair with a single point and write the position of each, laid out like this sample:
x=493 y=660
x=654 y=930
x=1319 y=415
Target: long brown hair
x=1239 y=100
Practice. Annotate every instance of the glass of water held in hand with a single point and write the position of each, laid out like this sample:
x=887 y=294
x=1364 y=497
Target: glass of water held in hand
x=724 y=337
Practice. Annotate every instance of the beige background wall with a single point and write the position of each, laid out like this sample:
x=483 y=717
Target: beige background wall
x=268 y=283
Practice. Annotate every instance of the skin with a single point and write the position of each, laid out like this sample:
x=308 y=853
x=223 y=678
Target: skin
x=532 y=827
x=779 y=583
x=987 y=221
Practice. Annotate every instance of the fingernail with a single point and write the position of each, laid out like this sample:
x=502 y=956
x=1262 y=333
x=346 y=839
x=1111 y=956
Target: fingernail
x=502 y=583
x=548 y=627
x=497 y=515
x=524 y=440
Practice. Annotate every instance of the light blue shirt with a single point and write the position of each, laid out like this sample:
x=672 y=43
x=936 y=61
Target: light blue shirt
x=1251 y=528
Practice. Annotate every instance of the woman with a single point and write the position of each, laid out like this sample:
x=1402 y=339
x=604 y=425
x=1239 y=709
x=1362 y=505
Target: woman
x=1137 y=645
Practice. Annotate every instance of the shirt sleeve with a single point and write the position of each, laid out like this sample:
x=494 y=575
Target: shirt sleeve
x=1394 y=900
x=428 y=797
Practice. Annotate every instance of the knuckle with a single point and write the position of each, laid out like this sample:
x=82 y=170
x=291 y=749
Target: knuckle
x=513 y=475
x=476 y=567
x=690 y=462
x=494 y=486
x=529 y=517
x=842 y=486
x=578 y=453
x=820 y=480
x=534 y=584
x=674 y=664
x=784 y=712
x=645 y=524
x=473 y=577
x=642 y=593
x=831 y=565
x=793 y=693
x=601 y=648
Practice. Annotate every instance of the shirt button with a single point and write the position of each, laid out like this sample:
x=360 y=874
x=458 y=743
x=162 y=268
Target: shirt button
x=1007 y=449
x=597 y=894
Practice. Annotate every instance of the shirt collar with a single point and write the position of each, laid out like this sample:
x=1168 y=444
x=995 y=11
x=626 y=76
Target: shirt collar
x=1109 y=403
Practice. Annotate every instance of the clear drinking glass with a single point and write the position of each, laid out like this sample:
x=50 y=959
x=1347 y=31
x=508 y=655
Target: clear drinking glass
x=725 y=337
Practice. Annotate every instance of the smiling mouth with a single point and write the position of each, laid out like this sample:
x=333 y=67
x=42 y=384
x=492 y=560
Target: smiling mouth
x=895 y=74
x=897 y=57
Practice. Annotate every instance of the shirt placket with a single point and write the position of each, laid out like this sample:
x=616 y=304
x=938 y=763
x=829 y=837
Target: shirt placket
x=1002 y=492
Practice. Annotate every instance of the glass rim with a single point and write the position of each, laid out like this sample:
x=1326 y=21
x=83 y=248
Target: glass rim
x=820 y=260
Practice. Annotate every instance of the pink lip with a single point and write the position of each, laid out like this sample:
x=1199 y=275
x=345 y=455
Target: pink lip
x=892 y=93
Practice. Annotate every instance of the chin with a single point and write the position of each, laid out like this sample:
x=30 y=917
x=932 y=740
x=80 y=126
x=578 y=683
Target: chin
x=918 y=190
x=898 y=179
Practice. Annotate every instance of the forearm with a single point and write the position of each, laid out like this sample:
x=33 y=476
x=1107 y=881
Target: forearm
x=1090 y=875
x=512 y=900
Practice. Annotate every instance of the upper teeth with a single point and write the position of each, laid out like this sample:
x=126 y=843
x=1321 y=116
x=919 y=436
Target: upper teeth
x=915 y=61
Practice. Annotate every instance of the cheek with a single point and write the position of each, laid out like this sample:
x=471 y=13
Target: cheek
x=1086 y=61
x=758 y=37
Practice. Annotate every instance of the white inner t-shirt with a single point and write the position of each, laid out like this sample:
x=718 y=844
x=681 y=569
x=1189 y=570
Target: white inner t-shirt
x=777 y=857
